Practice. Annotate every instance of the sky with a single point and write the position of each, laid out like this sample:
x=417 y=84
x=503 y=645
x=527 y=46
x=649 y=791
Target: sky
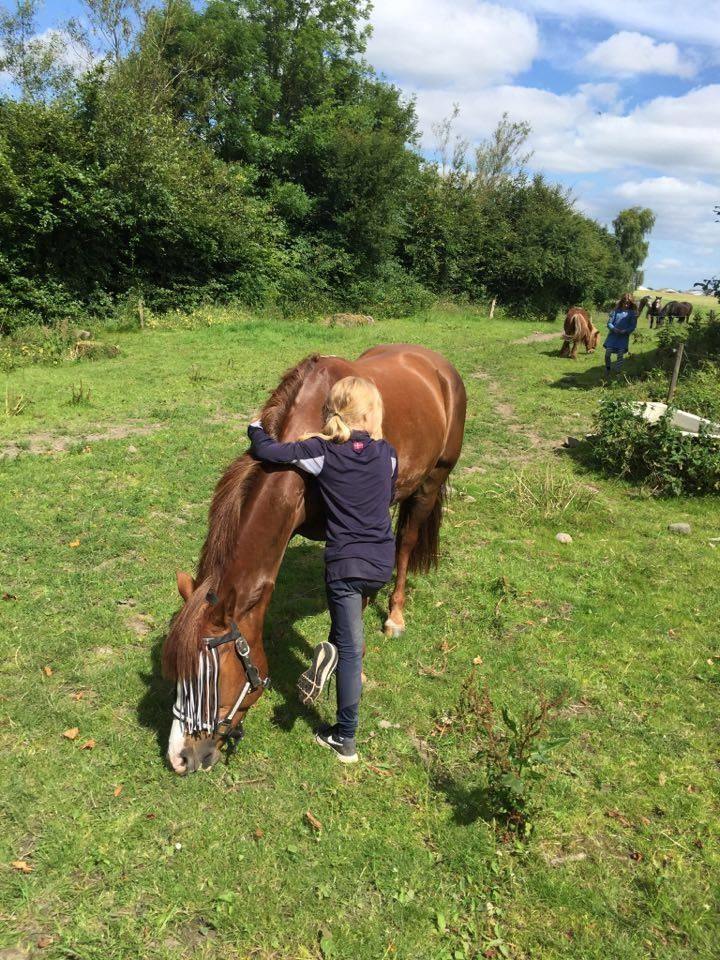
x=623 y=97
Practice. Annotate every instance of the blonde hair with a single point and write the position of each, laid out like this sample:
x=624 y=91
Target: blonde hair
x=352 y=404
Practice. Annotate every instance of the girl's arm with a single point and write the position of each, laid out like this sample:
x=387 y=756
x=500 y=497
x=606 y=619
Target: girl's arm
x=309 y=455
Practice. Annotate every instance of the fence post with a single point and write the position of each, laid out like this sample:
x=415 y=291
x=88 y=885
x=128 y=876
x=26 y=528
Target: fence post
x=676 y=371
x=141 y=312
x=492 y=307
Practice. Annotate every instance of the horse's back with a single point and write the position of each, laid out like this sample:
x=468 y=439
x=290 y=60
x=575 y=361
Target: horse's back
x=425 y=402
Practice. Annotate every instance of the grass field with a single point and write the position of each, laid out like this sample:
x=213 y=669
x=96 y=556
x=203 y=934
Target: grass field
x=103 y=498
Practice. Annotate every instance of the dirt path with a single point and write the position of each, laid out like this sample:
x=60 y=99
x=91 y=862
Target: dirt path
x=537 y=337
x=506 y=411
x=43 y=443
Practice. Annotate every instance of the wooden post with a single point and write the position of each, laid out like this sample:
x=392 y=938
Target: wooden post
x=676 y=371
x=492 y=307
x=141 y=312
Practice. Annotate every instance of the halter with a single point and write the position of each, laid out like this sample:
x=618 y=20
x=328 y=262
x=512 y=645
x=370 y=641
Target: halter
x=199 y=700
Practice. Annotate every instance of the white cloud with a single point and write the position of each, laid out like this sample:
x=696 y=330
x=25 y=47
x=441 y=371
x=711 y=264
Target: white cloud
x=699 y=23
x=667 y=263
x=588 y=131
x=453 y=43
x=627 y=54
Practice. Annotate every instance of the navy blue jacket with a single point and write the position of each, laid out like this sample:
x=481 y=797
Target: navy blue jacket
x=357 y=483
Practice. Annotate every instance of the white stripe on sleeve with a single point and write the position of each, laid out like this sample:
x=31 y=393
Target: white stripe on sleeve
x=312 y=465
x=393 y=464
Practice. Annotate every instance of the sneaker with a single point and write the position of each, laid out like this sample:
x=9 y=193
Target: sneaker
x=310 y=684
x=344 y=747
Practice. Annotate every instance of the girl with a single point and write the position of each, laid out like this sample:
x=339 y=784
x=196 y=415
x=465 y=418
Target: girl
x=356 y=472
x=623 y=321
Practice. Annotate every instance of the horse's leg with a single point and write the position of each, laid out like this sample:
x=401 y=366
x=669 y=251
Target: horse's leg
x=573 y=352
x=424 y=502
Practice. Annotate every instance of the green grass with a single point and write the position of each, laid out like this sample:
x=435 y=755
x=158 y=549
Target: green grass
x=623 y=859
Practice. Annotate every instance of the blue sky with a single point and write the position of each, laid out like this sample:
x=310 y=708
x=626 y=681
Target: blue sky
x=623 y=97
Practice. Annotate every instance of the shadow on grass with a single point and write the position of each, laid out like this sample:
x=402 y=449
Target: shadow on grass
x=470 y=802
x=636 y=367
x=300 y=593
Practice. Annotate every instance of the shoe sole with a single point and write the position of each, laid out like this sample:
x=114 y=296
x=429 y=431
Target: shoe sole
x=353 y=758
x=311 y=683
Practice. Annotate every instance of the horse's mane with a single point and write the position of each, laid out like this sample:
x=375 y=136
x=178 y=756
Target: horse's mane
x=180 y=652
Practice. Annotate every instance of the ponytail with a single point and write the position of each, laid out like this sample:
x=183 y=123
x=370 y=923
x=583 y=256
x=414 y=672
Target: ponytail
x=335 y=429
x=353 y=403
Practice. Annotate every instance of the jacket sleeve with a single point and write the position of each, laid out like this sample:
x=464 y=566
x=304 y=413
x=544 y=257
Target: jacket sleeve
x=308 y=455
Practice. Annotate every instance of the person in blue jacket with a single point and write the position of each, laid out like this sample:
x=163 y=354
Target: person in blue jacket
x=621 y=324
x=356 y=471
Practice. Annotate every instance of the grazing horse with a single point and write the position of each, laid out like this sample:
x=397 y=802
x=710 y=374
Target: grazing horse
x=654 y=312
x=578 y=328
x=676 y=309
x=214 y=651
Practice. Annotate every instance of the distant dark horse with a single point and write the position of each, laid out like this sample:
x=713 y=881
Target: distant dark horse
x=654 y=312
x=679 y=310
x=645 y=302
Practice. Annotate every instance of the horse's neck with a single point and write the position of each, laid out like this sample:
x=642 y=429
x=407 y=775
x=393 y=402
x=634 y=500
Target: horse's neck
x=274 y=511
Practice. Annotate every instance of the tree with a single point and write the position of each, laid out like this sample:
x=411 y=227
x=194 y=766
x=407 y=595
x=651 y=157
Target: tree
x=111 y=23
x=631 y=226
x=501 y=156
x=36 y=64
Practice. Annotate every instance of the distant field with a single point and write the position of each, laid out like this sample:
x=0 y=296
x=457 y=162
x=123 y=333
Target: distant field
x=105 y=497
x=700 y=301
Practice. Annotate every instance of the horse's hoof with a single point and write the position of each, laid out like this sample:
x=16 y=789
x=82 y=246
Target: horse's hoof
x=393 y=629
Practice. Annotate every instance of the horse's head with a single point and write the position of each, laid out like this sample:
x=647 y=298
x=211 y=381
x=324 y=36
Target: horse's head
x=218 y=673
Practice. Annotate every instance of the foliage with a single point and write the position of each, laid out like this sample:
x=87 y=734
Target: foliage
x=698 y=388
x=93 y=203
x=245 y=150
x=654 y=454
x=36 y=63
x=631 y=226
x=488 y=230
x=513 y=748
x=700 y=335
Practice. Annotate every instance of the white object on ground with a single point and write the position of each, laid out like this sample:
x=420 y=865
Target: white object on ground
x=686 y=423
x=683 y=528
x=563 y=538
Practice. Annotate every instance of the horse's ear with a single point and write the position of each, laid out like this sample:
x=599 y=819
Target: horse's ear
x=185 y=584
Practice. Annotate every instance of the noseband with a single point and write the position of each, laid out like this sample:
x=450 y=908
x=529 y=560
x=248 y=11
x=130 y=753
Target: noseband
x=198 y=700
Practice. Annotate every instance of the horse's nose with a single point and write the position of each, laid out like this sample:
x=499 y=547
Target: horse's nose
x=199 y=754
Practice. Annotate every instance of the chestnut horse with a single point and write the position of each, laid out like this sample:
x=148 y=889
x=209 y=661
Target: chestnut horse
x=578 y=328
x=257 y=508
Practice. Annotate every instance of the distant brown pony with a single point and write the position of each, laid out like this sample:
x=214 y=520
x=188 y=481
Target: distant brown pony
x=578 y=329
x=257 y=508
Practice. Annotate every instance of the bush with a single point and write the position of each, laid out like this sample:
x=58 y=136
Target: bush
x=514 y=750
x=671 y=464
x=698 y=390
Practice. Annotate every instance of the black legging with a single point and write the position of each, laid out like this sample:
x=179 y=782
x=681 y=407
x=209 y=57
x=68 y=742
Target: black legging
x=345 y=601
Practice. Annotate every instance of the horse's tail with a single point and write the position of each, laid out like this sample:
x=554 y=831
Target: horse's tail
x=574 y=322
x=425 y=553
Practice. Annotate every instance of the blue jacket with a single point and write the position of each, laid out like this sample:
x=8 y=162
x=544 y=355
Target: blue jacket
x=357 y=485
x=621 y=325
